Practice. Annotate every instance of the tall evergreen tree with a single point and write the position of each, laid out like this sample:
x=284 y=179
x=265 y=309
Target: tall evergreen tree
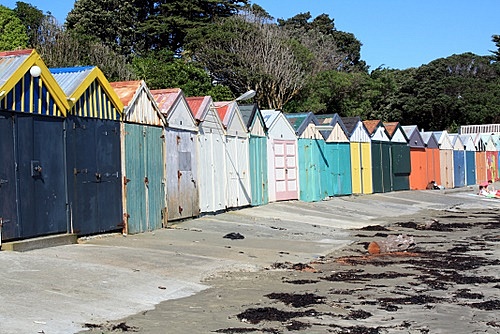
x=12 y=31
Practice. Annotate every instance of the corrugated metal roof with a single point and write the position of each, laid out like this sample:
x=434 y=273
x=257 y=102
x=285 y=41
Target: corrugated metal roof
x=198 y=106
x=409 y=129
x=296 y=120
x=248 y=113
x=391 y=127
x=166 y=98
x=325 y=119
x=224 y=110
x=126 y=90
x=70 y=78
x=270 y=115
x=350 y=123
x=372 y=125
x=10 y=61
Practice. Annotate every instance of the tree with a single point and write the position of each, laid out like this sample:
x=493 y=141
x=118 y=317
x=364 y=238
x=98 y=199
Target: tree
x=496 y=53
x=112 y=22
x=160 y=69
x=62 y=48
x=12 y=31
x=343 y=50
x=242 y=53
x=31 y=17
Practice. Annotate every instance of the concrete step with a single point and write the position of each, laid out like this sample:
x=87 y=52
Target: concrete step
x=40 y=242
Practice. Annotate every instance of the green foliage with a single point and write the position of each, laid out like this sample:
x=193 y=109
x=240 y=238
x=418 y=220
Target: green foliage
x=32 y=19
x=12 y=31
x=112 y=22
x=170 y=21
x=496 y=53
x=162 y=70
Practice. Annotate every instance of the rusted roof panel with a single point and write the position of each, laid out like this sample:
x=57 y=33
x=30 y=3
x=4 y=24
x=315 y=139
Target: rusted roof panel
x=198 y=106
x=223 y=109
x=371 y=125
x=165 y=98
x=391 y=127
x=126 y=90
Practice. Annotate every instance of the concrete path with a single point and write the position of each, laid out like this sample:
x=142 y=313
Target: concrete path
x=59 y=289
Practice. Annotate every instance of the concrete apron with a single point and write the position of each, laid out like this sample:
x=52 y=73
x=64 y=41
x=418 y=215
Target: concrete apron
x=58 y=289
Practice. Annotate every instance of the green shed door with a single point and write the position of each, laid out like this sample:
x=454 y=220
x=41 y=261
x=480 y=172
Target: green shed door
x=258 y=170
x=401 y=167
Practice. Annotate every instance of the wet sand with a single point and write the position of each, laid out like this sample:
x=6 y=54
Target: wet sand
x=448 y=283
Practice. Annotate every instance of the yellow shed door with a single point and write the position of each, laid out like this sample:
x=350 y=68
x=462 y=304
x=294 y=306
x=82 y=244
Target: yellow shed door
x=356 y=168
x=366 y=168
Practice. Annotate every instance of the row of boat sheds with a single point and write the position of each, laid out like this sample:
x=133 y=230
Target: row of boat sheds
x=82 y=155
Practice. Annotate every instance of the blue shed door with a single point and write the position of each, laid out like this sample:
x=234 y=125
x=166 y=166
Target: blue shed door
x=39 y=143
x=470 y=167
x=459 y=168
x=309 y=173
x=8 y=194
x=93 y=153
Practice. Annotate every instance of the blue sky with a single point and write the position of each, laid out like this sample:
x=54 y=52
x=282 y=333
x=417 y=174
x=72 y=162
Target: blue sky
x=395 y=33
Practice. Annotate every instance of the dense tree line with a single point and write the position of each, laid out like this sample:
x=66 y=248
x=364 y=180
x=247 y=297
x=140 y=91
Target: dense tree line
x=224 y=47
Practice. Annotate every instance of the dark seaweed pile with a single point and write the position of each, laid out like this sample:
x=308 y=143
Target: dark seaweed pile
x=453 y=261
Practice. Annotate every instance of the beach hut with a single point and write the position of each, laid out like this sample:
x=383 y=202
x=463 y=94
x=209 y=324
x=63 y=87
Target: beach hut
x=458 y=160
x=381 y=156
x=337 y=154
x=282 y=157
x=256 y=126
x=491 y=157
x=238 y=188
x=445 y=157
x=418 y=158
x=211 y=155
x=93 y=150
x=400 y=156
x=311 y=158
x=433 y=157
x=32 y=173
x=180 y=140
x=361 y=160
x=470 y=159
x=481 y=166
x=143 y=158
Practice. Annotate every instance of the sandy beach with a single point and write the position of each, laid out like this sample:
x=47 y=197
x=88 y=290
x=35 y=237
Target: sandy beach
x=448 y=282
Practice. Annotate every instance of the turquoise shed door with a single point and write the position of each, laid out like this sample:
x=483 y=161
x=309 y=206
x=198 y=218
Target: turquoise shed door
x=328 y=175
x=338 y=180
x=144 y=170
x=258 y=170
x=344 y=178
x=309 y=172
x=470 y=167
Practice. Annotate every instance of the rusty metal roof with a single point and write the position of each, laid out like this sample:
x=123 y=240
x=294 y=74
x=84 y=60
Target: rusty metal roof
x=166 y=98
x=391 y=127
x=126 y=90
x=224 y=110
x=199 y=105
x=371 y=125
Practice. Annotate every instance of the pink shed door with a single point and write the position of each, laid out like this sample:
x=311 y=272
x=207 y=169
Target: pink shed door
x=285 y=164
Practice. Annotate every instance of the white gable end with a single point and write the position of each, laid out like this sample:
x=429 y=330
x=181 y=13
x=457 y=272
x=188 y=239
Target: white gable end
x=181 y=118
